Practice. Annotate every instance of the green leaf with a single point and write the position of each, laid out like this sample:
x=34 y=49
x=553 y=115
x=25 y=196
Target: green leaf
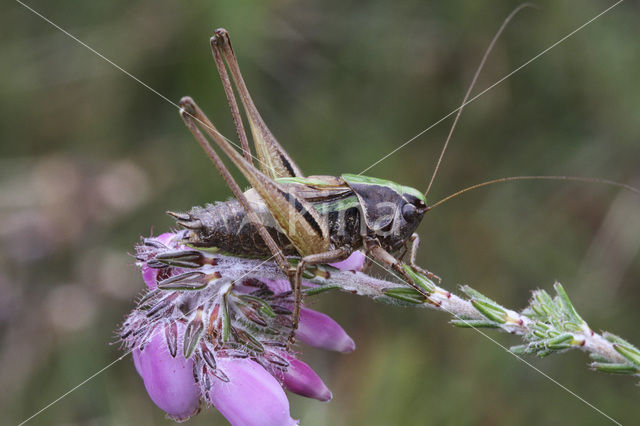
x=250 y=341
x=474 y=323
x=493 y=312
x=629 y=352
x=614 y=368
x=566 y=304
x=540 y=334
x=264 y=306
x=407 y=294
x=475 y=294
x=420 y=280
x=560 y=342
x=615 y=339
x=543 y=298
x=320 y=289
x=226 y=321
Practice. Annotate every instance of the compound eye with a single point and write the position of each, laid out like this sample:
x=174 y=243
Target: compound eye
x=409 y=212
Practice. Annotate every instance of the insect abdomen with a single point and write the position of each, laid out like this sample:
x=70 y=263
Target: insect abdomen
x=226 y=227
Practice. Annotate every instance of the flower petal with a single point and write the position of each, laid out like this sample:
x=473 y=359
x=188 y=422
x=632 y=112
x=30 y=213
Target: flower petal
x=355 y=262
x=166 y=238
x=150 y=277
x=169 y=381
x=321 y=331
x=301 y=379
x=252 y=396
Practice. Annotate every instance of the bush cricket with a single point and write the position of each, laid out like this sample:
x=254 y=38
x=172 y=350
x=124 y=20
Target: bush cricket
x=316 y=219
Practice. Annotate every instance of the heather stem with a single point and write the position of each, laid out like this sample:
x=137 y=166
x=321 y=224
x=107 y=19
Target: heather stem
x=549 y=324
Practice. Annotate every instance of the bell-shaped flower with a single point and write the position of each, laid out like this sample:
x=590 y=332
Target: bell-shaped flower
x=168 y=380
x=251 y=397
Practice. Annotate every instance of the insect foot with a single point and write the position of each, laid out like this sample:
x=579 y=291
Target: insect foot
x=209 y=330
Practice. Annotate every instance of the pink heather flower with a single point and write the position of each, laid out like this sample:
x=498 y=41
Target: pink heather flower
x=169 y=380
x=202 y=334
x=150 y=275
x=321 y=331
x=251 y=397
x=301 y=379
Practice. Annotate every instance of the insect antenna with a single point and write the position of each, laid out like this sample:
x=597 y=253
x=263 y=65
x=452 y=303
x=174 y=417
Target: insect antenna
x=542 y=177
x=473 y=83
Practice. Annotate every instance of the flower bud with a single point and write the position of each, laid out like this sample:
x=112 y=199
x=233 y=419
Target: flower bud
x=320 y=331
x=301 y=379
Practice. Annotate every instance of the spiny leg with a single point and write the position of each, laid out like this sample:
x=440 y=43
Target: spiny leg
x=307 y=230
x=274 y=160
x=191 y=115
x=378 y=253
x=300 y=229
x=231 y=98
x=330 y=256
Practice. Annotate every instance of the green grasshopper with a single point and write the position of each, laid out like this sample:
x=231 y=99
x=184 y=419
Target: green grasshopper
x=318 y=219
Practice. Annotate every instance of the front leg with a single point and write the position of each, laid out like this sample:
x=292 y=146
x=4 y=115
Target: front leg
x=378 y=253
x=414 y=242
x=330 y=256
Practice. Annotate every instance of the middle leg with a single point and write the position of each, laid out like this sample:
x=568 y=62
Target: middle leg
x=312 y=259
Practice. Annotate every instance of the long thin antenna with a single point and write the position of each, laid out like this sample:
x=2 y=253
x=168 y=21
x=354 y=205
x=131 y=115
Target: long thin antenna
x=517 y=178
x=473 y=83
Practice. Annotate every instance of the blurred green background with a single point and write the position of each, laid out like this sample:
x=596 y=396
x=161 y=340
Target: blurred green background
x=90 y=160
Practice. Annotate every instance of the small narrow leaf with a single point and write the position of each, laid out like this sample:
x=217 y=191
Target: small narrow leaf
x=193 y=280
x=566 y=303
x=252 y=315
x=276 y=359
x=206 y=380
x=163 y=304
x=147 y=296
x=560 y=342
x=629 y=352
x=614 y=368
x=207 y=355
x=182 y=258
x=249 y=340
x=192 y=333
x=420 y=280
x=491 y=311
x=474 y=294
x=263 y=305
x=471 y=323
x=171 y=335
x=224 y=318
x=407 y=294
x=320 y=289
